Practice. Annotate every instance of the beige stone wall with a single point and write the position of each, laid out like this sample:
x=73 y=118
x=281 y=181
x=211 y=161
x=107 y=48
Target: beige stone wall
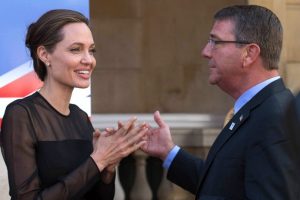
x=293 y=44
x=149 y=56
x=289 y=13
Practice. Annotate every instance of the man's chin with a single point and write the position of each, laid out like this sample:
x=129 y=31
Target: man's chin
x=212 y=81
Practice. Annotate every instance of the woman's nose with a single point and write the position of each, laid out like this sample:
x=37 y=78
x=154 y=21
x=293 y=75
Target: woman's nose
x=87 y=58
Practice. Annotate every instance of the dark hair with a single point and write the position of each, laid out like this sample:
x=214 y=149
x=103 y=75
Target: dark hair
x=258 y=25
x=46 y=31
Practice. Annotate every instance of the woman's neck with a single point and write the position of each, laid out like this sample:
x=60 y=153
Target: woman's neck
x=59 y=98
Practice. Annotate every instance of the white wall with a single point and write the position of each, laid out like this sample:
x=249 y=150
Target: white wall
x=3 y=180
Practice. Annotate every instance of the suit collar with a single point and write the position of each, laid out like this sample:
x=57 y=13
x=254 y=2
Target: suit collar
x=250 y=93
x=238 y=119
x=266 y=92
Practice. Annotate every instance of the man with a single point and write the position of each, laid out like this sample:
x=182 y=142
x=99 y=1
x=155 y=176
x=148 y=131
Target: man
x=250 y=158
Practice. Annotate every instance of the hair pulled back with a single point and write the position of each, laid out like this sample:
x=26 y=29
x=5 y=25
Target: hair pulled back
x=46 y=31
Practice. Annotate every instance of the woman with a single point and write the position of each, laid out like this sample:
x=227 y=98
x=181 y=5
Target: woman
x=48 y=143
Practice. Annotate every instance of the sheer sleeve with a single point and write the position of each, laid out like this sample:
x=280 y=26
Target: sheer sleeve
x=102 y=191
x=19 y=152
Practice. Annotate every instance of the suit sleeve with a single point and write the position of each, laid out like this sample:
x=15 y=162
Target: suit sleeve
x=18 y=149
x=185 y=171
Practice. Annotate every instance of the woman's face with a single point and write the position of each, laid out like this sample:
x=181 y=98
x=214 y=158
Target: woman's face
x=72 y=60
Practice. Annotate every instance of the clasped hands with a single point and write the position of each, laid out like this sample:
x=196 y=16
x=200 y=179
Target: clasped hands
x=111 y=145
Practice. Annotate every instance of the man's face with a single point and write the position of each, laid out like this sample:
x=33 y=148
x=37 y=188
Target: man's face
x=224 y=59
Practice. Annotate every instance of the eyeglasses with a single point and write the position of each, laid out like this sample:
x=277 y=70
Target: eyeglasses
x=214 y=42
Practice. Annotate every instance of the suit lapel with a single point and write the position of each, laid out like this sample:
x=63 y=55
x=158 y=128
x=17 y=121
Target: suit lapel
x=228 y=131
x=238 y=120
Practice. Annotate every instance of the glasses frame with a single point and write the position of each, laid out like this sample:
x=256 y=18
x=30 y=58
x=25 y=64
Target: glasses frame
x=214 y=42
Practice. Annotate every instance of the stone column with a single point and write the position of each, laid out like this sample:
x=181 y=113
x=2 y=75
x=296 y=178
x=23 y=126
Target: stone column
x=140 y=190
x=119 y=193
x=165 y=191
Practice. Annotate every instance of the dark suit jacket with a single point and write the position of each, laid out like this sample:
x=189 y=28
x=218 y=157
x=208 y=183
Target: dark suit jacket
x=251 y=157
x=293 y=123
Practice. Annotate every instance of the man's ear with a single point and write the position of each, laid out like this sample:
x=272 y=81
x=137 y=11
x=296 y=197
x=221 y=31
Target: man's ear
x=43 y=55
x=250 y=54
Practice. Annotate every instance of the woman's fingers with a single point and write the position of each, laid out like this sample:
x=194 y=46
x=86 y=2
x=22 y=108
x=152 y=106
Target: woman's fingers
x=130 y=123
x=133 y=148
x=111 y=145
x=130 y=142
x=109 y=132
x=135 y=134
x=120 y=124
x=124 y=128
x=96 y=133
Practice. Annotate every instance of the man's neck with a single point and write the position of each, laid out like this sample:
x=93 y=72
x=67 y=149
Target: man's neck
x=251 y=81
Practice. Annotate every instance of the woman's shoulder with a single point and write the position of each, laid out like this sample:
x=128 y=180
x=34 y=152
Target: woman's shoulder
x=24 y=102
x=77 y=110
x=19 y=107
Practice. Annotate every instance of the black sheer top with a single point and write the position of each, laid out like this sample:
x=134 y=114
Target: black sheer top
x=48 y=154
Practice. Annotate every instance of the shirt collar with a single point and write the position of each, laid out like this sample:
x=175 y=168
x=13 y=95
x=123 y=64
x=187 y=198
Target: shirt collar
x=247 y=96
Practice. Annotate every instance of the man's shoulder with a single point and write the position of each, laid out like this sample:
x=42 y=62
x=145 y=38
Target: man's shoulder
x=275 y=95
x=298 y=97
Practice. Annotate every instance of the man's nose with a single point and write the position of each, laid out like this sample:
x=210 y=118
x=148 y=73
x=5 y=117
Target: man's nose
x=206 y=51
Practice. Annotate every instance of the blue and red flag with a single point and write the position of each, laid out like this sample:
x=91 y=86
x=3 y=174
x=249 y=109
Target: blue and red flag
x=17 y=77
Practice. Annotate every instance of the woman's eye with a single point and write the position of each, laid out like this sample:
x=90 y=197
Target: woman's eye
x=92 y=51
x=75 y=49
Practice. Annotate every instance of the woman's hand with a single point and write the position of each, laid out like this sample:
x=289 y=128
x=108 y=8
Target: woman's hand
x=109 y=172
x=110 y=148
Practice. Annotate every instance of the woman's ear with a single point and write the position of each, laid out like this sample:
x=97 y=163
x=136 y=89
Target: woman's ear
x=250 y=54
x=43 y=55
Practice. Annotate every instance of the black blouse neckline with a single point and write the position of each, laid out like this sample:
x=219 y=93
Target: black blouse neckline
x=52 y=108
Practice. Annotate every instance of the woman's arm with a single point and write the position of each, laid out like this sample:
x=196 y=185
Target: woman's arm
x=19 y=151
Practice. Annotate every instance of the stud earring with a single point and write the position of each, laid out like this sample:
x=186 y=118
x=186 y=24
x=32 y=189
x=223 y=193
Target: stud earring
x=47 y=64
